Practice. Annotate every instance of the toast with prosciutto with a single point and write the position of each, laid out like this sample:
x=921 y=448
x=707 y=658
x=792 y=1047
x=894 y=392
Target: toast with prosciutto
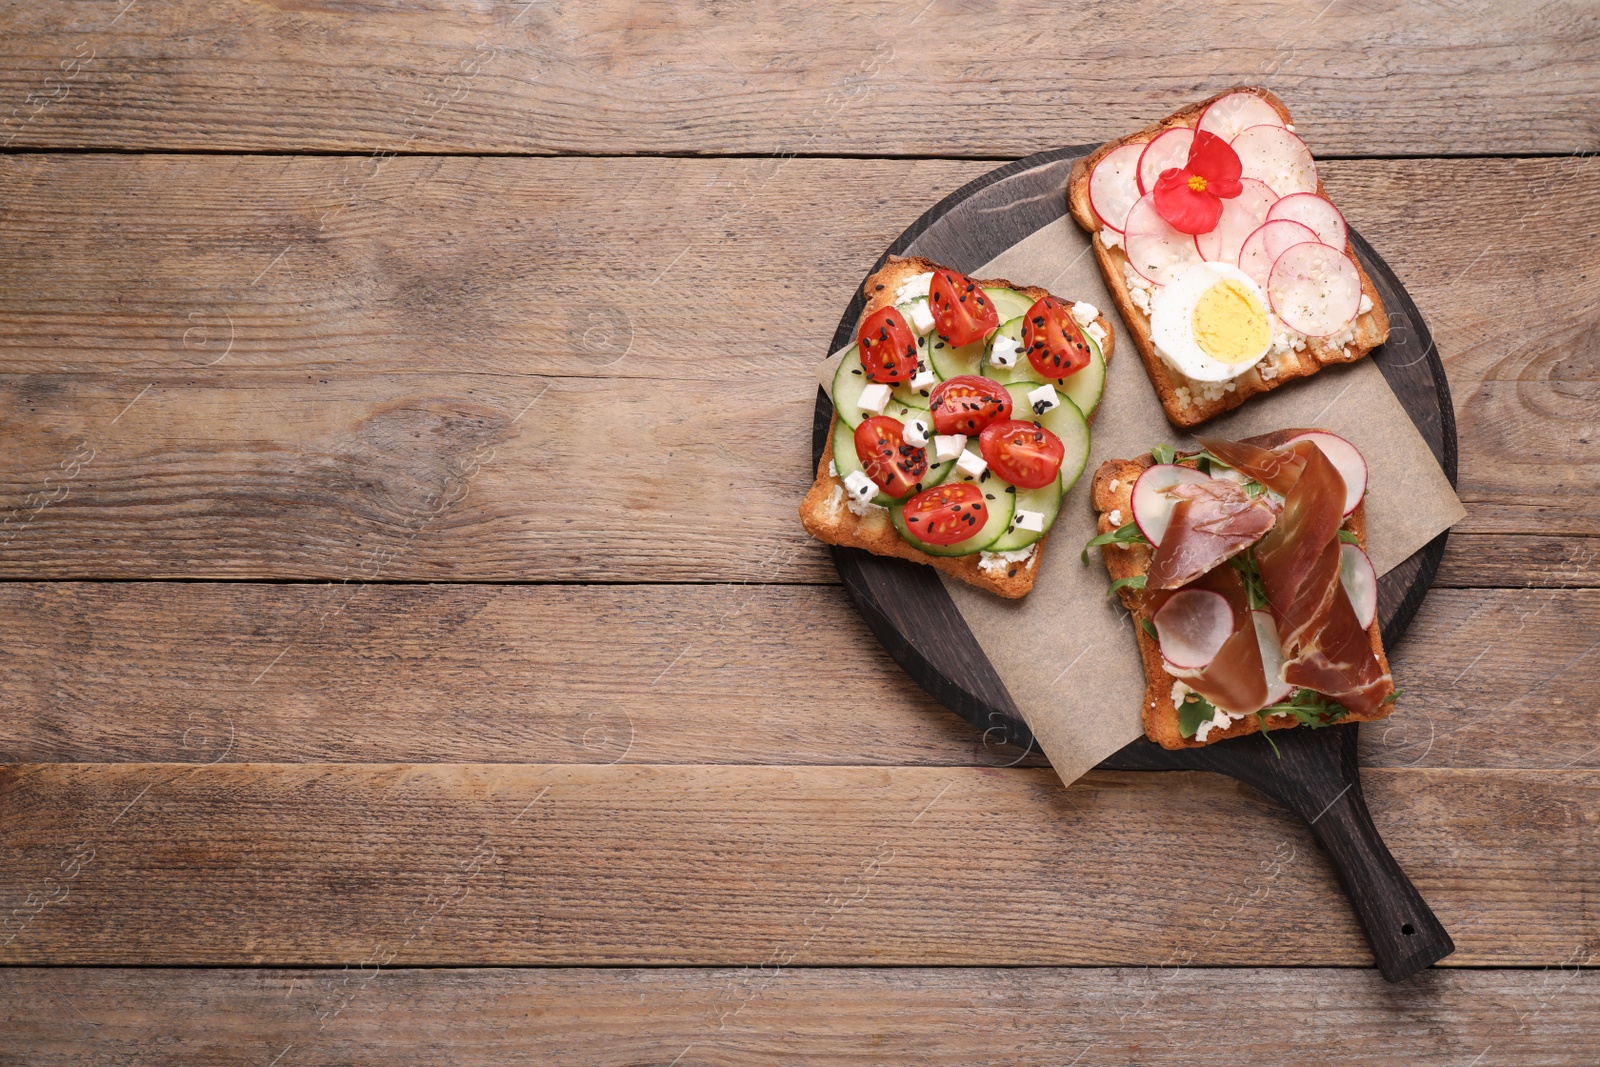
x=1245 y=571
x=961 y=417
x=1231 y=268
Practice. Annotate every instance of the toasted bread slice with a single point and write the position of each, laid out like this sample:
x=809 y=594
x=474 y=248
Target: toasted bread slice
x=1188 y=403
x=826 y=513
x=1112 y=492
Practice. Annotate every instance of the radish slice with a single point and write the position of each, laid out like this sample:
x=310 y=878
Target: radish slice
x=1191 y=626
x=1274 y=155
x=1231 y=115
x=1314 y=289
x=1271 y=656
x=1360 y=581
x=1263 y=247
x=1346 y=459
x=1156 y=249
x=1169 y=148
x=1241 y=216
x=1114 y=185
x=1316 y=212
x=1152 y=506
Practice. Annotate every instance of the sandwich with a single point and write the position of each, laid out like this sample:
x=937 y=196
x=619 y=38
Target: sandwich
x=1227 y=261
x=961 y=417
x=1245 y=572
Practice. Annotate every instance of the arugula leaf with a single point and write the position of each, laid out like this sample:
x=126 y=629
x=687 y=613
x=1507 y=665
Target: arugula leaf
x=1163 y=453
x=1149 y=627
x=1348 y=537
x=1245 y=564
x=1253 y=489
x=1194 y=710
x=1203 y=464
x=1132 y=581
x=1310 y=708
x=1126 y=534
x=1261 y=719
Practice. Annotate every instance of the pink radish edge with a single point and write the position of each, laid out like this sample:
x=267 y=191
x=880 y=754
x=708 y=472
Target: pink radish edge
x=1192 y=626
x=1151 y=506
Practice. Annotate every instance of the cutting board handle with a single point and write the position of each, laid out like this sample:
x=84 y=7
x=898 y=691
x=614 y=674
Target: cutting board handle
x=1320 y=781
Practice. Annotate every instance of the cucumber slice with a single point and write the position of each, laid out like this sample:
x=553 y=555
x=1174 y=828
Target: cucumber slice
x=1065 y=421
x=949 y=361
x=1046 y=499
x=850 y=379
x=1000 y=503
x=1010 y=303
x=845 y=459
x=1083 y=388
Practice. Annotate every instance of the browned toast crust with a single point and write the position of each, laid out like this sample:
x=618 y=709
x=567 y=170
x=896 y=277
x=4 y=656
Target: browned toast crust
x=1112 y=491
x=827 y=516
x=1184 y=410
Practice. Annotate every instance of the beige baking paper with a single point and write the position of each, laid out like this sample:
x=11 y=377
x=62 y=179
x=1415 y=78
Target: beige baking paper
x=1066 y=651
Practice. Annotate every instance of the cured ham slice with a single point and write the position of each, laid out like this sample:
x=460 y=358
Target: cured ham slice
x=1212 y=521
x=1277 y=470
x=1234 y=680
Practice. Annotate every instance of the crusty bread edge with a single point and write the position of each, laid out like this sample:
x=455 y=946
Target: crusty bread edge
x=1157 y=709
x=825 y=512
x=1371 y=328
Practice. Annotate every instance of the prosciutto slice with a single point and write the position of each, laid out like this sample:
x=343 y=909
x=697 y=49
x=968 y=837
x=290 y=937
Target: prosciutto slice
x=1276 y=468
x=1324 y=644
x=1235 y=679
x=1212 y=521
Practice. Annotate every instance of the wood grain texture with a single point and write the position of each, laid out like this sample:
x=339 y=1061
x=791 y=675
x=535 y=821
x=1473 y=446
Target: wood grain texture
x=931 y=1017
x=1478 y=561
x=318 y=384
x=792 y=78
x=240 y=673
x=453 y=864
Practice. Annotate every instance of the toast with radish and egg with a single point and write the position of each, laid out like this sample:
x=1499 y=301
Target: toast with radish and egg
x=1232 y=270
x=961 y=417
x=1245 y=571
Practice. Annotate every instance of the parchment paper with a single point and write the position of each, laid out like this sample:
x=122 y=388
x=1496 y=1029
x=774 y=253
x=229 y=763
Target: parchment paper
x=1066 y=651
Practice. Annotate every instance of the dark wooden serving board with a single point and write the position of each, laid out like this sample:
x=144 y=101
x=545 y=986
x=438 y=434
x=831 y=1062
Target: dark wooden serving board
x=1317 y=775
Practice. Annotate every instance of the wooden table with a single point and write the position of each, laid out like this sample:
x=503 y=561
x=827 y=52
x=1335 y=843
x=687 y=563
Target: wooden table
x=412 y=654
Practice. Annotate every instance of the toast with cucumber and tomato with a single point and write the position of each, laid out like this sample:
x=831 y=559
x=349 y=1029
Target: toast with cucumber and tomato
x=1245 y=572
x=1230 y=266
x=961 y=418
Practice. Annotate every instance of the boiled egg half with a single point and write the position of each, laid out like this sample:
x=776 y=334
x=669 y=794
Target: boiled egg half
x=1211 y=323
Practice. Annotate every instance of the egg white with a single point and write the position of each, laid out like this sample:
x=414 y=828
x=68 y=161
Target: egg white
x=1172 y=322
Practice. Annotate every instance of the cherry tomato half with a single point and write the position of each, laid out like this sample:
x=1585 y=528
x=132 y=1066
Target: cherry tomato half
x=1053 y=341
x=967 y=403
x=1023 y=453
x=946 y=514
x=895 y=466
x=887 y=347
x=962 y=312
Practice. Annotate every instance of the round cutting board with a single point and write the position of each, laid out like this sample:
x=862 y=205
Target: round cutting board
x=907 y=607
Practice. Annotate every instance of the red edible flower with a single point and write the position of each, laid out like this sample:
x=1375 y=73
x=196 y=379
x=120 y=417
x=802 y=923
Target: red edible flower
x=1190 y=197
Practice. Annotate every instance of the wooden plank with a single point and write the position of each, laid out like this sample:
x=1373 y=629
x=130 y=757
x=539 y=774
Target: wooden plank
x=960 y=1017
x=194 y=673
x=309 y=390
x=624 y=865
x=784 y=78
x=1479 y=561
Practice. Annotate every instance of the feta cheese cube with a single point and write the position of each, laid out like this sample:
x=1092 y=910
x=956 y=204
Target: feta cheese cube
x=924 y=378
x=875 y=398
x=971 y=464
x=1029 y=520
x=1083 y=314
x=916 y=433
x=1003 y=352
x=921 y=318
x=1043 y=399
x=948 y=446
x=858 y=485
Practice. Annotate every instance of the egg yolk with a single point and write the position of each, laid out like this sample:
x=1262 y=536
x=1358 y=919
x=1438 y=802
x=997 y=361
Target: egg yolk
x=1230 y=324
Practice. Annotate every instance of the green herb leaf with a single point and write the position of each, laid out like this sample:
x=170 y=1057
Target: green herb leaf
x=1348 y=537
x=1162 y=453
x=1204 y=464
x=1194 y=710
x=1309 y=708
x=1132 y=581
x=1150 y=628
x=1127 y=534
x=1254 y=489
x=1245 y=564
x=1261 y=718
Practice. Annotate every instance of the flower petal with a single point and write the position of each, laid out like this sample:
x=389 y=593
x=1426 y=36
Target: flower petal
x=1214 y=159
x=1186 y=209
